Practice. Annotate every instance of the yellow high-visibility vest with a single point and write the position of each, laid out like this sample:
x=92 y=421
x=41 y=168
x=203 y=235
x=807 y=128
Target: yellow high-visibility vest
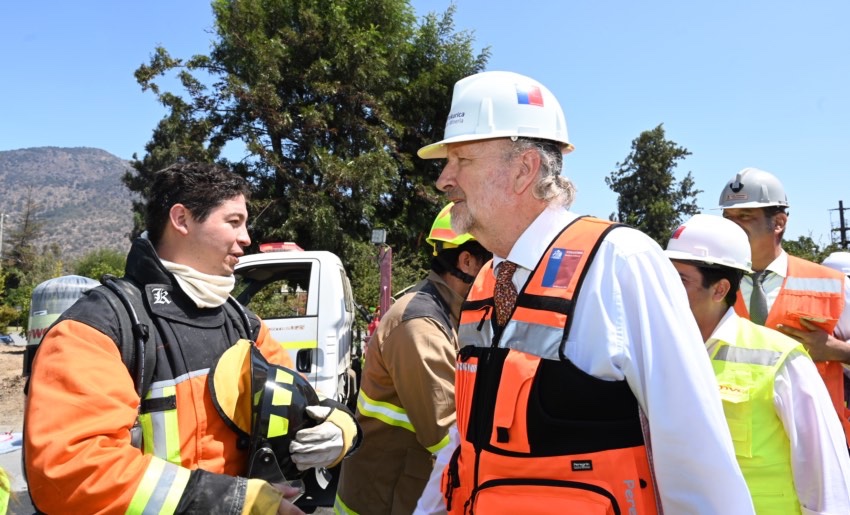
x=745 y=371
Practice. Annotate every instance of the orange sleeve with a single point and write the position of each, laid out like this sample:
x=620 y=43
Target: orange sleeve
x=272 y=349
x=80 y=408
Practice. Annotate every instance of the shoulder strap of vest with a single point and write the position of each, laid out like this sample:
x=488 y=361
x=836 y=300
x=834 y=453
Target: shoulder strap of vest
x=601 y=228
x=135 y=327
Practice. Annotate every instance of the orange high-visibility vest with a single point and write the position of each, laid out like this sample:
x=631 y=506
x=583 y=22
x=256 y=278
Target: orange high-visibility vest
x=816 y=292
x=537 y=434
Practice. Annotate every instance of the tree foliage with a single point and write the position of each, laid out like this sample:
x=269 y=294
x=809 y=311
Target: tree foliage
x=805 y=247
x=330 y=100
x=22 y=237
x=99 y=262
x=650 y=198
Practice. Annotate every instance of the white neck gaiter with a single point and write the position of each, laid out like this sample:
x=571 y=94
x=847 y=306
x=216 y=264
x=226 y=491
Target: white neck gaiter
x=207 y=291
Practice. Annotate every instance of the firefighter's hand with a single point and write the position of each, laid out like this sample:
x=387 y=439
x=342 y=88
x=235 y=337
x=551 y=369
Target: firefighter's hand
x=325 y=444
x=262 y=498
x=290 y=493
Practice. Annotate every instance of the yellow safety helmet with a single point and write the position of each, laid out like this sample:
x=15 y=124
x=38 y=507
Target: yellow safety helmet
x=264 y=402
x=442 y=236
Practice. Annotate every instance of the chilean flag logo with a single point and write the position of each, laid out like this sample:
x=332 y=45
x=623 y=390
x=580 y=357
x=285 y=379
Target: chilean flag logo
x=529 y=95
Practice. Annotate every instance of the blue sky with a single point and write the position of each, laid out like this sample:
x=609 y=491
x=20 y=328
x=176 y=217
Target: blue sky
x=738 y=83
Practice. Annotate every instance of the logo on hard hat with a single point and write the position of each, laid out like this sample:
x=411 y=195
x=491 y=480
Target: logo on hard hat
x=455 y=118
x=741 y=196
x=736 y=187
x=678 y=232
x=529 y=95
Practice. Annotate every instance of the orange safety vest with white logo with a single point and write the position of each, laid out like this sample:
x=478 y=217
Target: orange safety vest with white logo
x=814 y=292
x=537 y=434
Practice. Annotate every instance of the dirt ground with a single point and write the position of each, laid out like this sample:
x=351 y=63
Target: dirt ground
x=11 y=388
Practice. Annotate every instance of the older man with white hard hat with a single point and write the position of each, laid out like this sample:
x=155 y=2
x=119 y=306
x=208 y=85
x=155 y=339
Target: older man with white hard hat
x=582 y=382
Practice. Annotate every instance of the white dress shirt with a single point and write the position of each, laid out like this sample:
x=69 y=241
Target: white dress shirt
x=819 y=459
x=633 y=322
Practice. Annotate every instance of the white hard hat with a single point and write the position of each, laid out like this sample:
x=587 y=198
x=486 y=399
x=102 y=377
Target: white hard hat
x=753 y=188
x=838 y=261
x=713 y=240
x=501 y=105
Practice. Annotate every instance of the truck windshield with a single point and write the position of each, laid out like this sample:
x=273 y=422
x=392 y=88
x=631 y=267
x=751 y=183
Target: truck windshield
x=279 y=293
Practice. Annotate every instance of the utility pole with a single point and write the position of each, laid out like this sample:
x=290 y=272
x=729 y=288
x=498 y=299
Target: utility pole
x=385 y=268
x=842 y=228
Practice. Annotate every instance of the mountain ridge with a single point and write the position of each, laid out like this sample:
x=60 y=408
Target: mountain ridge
x=78 y=196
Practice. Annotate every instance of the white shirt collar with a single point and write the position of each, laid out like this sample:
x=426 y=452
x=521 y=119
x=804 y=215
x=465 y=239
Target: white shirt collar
x=726 y=330
x=779 y=266
x=534 y=241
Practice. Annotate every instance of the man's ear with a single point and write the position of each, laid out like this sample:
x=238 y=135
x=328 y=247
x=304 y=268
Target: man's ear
x=780 y=220
x=527 y=170
x=466 y=262
x=720 y=289
x=179 y=217
x=469 y=264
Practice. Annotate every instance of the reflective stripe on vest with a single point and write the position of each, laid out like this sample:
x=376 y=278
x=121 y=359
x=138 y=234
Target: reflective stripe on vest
x=816 y=291
x=160 y=489
x=763 y=357
x=746 y=372
x=514 y=456
x=811 y=285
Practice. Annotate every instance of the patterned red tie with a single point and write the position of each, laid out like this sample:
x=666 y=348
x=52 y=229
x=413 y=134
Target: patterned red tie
x=504 y=294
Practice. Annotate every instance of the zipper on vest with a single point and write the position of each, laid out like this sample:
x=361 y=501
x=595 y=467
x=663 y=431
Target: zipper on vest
x=483 y=318
x=542 y=482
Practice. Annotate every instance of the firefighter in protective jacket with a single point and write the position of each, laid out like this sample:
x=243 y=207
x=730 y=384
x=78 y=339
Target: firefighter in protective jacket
x=82 y=403
x=406 y=401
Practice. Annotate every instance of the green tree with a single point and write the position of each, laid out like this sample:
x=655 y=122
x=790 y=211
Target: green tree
x=22 y=253
x=805 y=247
x=100 y=261
x=46 y=264
x=330 y=100
x=650 y=199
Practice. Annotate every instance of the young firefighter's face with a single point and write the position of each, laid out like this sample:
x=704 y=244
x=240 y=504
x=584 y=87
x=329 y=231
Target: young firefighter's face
x=216 y=244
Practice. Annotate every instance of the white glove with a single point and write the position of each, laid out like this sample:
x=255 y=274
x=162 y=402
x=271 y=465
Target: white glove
x=318 y=446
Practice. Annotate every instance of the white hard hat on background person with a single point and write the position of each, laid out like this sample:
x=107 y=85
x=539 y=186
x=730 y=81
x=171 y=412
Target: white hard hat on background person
x=711 y=240
x=501 y=105
x=752 y=187
x=838 y=261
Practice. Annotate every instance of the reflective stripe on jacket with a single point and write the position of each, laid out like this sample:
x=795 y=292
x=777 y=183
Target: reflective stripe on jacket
x=746 y=371
x=538 y=435
x=815 y=291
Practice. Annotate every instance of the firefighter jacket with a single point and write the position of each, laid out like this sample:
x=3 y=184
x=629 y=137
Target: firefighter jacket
x=537 y=434
x=82 y=404
x=746 y=370
x=814 y=292
x=406 y=402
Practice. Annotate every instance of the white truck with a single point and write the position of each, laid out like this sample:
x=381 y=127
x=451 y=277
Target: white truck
x=305 y=299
